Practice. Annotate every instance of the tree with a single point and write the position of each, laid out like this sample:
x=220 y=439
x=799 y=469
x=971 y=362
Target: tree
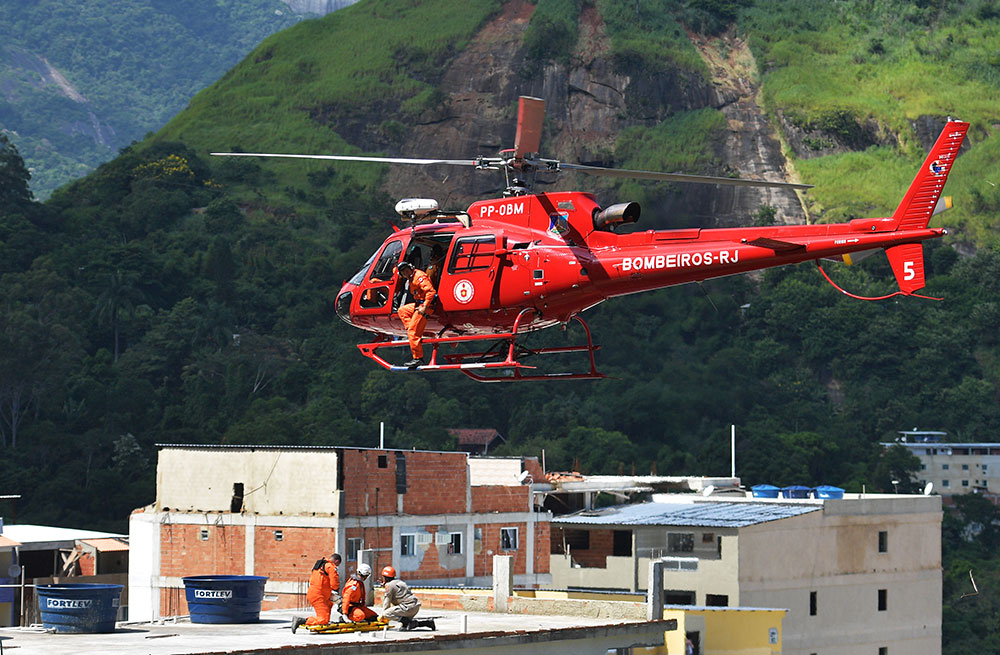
x=14 y=176
x=120 y=295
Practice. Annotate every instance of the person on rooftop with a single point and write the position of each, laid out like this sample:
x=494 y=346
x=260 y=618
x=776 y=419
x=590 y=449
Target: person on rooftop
x=324 y=586
x=353 y=604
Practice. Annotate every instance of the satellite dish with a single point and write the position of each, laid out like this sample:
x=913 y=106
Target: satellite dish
x=13 y=571
x=525 y=478
x=928 y=488
x=708 y=491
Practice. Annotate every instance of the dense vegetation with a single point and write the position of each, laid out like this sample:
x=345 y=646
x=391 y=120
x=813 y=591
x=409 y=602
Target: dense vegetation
x=135 y=64
x=168 y=298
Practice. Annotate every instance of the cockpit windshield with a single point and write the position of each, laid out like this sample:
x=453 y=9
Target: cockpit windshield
x=360 y=275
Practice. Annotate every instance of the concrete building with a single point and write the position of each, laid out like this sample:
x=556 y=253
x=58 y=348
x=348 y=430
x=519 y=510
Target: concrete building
x=438 y=517
x=953 y=468
x=860 y=574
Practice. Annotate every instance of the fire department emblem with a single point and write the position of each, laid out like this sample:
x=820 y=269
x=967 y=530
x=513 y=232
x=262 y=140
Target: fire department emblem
x=464 y=291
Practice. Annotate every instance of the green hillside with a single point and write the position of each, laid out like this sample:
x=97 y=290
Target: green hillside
x=127 y=68
x=173 y=297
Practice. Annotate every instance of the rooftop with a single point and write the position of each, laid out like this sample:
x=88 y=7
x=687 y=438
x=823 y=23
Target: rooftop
x=486 y=632
x=44 y=537
x=706 y=514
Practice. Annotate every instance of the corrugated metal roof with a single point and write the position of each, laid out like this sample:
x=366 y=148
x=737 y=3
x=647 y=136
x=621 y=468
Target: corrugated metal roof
x=706 y=514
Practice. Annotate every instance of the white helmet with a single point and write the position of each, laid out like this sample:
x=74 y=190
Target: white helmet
x=364 y=570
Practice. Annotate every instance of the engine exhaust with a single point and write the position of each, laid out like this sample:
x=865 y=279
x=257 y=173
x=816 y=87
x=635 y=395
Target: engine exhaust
x=623 y=212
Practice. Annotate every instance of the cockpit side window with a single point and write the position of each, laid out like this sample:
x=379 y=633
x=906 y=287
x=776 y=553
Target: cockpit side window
x=390 y=257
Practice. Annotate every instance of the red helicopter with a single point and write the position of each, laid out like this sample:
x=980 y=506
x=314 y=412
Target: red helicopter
x=528 y=261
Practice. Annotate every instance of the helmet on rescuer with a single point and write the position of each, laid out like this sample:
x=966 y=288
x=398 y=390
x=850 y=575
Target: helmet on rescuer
x=364 y=570
x=388 y=572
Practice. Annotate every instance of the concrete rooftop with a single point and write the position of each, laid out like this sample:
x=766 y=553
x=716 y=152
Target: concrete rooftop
x=486 y=633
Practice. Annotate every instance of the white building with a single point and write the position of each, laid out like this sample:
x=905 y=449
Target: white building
x=860 y=574
x=953 y=468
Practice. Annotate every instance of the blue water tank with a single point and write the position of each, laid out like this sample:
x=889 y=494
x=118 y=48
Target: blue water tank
x=827 y=492
x=224 y=598
x=764 y=491
x=795 y=491
x=79 y=607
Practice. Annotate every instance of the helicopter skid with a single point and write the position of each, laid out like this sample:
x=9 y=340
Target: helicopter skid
x=503 y=357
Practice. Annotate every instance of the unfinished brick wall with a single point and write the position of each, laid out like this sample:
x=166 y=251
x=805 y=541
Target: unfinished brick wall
x=366 y=471
x=542 y=555
x=601 y=545
x=183 y=552
x=291 y=559
x=490 y=546
x=377 y=539
x=501 y=498
x=532 y=466
x=436 y=483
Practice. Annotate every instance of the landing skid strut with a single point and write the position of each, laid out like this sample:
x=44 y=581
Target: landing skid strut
x=474 y=364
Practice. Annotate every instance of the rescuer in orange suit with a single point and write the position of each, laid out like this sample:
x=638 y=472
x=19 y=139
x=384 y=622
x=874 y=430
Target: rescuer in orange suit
x=353 y=603
x=414 y=316
x=324 y=586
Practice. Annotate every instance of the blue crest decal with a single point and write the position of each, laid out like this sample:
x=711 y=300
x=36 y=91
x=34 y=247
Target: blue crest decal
x=559 y=223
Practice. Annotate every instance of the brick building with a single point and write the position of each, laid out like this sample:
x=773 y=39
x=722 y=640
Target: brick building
x=438 y=517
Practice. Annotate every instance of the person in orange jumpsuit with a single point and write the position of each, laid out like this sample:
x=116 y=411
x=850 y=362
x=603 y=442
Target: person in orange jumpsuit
x=324 y=586
x=414 y=316
x=353 y=603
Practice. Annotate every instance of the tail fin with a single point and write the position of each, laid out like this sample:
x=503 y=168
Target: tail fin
x=907 y=263
x=917 y=206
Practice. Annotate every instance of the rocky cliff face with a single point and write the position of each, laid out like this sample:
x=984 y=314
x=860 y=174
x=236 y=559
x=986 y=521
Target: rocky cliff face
x=589 y=103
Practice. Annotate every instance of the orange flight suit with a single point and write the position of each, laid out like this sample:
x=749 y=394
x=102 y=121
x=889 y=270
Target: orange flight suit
x=323 y=581
x=353 y=604
x=423 y=290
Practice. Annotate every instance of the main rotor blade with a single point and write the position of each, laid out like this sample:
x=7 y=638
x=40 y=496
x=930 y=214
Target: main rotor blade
x=382 y=160
x=677 y=177
x=530 y=114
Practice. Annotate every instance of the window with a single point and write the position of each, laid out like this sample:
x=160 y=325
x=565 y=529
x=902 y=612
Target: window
x=386 y=264
x=965 y=483
x=944 y=467
x=406 y=544
x=577 y=539
x=622 y=543
x=923 y=467
x=353 y=546
x=203 y=534
x=279 y=535
x=383 y=462
x=717 y=600
x=883 y=599
x=883 y=650
x=473 y=253
x=945 y=483
x=812 y=603
x=707 y=537
x=680 y=542
x=675 y=597
x=455 y=545
x=508 y=538
x=984 y=467
x=965 y=467
x=883 y=541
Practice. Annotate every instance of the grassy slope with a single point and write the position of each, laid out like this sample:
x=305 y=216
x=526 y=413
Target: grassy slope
x=892 y=62
x=373 y=54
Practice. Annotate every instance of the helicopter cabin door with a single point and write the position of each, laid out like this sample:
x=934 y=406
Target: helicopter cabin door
x=378 y=289
x=470 y=280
